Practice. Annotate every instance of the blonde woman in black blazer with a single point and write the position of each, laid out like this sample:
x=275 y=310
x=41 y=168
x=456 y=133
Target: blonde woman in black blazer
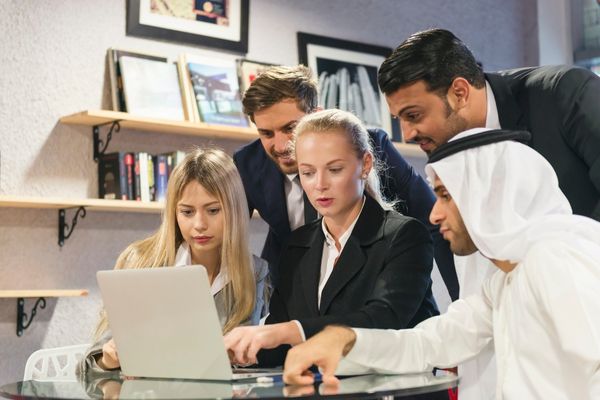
x=361 y=265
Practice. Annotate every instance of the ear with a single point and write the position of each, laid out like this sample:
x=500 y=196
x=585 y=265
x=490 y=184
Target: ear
x=367 y=164
x=458 y=93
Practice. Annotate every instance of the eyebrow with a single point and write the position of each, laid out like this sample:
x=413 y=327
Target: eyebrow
x=405 y=109
x=191 y=206
x=284 y=126
x=329 y=163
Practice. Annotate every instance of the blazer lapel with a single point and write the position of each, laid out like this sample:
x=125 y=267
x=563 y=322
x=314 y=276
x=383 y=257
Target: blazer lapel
x=310 y=267
x=509 y=113
x=274 y=194
x=368 y=229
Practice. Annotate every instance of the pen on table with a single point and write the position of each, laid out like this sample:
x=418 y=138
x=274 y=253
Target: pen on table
x=279 y=378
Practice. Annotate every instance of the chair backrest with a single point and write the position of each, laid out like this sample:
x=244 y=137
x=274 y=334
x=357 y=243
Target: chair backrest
x=56 y=364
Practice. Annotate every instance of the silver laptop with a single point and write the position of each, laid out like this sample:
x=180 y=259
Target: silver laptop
x=165 y=324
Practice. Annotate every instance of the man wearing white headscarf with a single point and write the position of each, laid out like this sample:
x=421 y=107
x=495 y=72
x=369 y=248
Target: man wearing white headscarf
x=541 y=308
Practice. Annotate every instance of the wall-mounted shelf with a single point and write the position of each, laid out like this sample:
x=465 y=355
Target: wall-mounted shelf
x=82 y=205
x=90 y=204
x=97 y=118
x=23 y=320
x=126 y=120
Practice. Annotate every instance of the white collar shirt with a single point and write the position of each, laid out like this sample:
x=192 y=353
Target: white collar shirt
x=492 y=120
x=184 y=257
x=294 y=198
x=331 y=253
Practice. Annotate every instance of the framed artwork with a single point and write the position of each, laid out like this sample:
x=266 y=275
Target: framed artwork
x=213 y=23
x=347 y=73
x=248 y=70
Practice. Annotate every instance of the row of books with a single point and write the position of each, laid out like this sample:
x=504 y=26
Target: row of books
x=195 y=88
x=136 y=176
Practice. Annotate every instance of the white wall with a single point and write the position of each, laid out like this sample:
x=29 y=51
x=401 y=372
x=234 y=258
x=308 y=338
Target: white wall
x=554 y=32
x=53 y=65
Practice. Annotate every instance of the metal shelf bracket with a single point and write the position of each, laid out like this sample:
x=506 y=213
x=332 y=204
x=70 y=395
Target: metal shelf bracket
x=23 y=321
x=99 y=144
x=65 y=230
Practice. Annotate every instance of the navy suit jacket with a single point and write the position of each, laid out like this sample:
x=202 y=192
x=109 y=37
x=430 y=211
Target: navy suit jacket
x=382 y=279
x=560 y=106
x=264 y=185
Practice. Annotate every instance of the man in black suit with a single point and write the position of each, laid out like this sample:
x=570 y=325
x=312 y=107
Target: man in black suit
x=275 y=101
x=434 y=86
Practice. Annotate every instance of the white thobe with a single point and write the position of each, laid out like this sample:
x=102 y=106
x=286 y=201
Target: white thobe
x=543 y=317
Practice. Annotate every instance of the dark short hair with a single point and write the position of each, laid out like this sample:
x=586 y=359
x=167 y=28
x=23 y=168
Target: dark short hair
x=435 y=56
x=280 y=83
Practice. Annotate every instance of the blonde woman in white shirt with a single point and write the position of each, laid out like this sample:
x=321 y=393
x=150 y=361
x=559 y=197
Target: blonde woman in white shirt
x=205 y=221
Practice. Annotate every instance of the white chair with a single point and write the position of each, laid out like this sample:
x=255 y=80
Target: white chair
x=55 y=364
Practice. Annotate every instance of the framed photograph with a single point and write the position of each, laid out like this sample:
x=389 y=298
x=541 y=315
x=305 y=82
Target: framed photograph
x=347 y=73
x=248 y=70
x=213 y=23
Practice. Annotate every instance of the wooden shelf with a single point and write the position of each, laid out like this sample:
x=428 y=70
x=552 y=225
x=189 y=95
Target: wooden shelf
x=126 y=120
x=43 y=293
x=90 y=204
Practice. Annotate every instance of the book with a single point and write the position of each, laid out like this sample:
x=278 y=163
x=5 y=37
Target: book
x=160 y=177
x=216 y=91
x=190 y=107
x=144 y=184
x=112 y=176
x=137 y=194
x=114 y=74
x=130 y=168
x=151 y=88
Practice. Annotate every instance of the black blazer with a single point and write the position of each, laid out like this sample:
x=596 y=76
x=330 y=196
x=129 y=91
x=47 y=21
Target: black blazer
x=381 y=279
x=560 y=106
x=264 y=186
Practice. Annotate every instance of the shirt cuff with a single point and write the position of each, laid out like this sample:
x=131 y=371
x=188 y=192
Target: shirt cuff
x=300 y=329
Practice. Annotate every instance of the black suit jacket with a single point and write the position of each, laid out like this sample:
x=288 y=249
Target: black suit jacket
x=381 y=279
x=560 y=106
x=264 y=186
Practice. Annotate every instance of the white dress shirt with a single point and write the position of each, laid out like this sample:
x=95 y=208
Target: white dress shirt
x=184 y=257
x=294 y=198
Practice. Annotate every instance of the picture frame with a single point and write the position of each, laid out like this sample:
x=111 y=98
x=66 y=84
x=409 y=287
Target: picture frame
x=347 y=74
x=221 y=24
x=248 y=70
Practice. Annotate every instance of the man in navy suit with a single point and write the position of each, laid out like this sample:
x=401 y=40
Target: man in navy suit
x=275 y=101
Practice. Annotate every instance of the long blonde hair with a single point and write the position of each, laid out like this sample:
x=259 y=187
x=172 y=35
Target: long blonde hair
x=216 y=172
x=335 y=120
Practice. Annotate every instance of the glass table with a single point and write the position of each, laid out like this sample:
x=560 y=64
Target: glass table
x=117 y=387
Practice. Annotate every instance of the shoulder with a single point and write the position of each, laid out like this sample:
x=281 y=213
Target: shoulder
x=398 y=221
x=249 y=153
x=261 y=267
x=553 y=77
x=306 y=234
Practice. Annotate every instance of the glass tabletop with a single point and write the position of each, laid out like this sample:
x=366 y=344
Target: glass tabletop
x=116 y=387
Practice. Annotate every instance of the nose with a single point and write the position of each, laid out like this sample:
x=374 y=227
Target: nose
x=436 y=216
x=200 y=222
x=281 y=142
x=321 y=181
x=408 y=131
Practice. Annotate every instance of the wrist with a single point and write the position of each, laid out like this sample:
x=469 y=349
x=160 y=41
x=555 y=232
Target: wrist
x=292 y=335
x=343 y=336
